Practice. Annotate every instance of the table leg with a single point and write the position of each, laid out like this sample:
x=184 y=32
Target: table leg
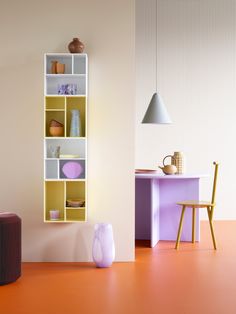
x=193 y=224
x=154 y=212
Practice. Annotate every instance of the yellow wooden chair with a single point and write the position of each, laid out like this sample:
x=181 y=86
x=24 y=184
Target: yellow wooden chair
x=199 y=204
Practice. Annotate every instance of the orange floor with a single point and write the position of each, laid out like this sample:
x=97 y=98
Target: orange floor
x=195 y=279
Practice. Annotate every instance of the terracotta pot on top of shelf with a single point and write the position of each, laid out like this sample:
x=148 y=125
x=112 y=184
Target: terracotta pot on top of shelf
x=76 y=46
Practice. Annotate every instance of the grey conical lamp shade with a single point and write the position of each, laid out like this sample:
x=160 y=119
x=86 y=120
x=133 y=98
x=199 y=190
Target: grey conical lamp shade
x=156 y=112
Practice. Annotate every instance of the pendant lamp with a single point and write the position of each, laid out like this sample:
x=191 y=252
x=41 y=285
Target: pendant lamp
x=156 y=112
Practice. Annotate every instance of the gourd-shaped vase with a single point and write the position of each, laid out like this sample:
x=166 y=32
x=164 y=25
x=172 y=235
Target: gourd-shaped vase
x=75 y=125
x=76 y=46
x=103 y=245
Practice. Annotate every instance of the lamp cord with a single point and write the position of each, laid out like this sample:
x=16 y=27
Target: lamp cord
x=156 y=47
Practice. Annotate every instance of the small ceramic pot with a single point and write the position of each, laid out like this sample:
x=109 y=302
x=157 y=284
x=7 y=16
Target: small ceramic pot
x=56 y=130
x=54 y=214
x=76 y=46
x=60 y=68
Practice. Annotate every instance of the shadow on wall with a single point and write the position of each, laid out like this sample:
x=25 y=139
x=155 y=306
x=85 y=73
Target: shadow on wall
x=68 y=243
x=83 y=242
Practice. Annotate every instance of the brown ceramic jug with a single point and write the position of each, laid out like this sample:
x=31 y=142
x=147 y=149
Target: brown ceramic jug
x=168 y=169
x=76 y=46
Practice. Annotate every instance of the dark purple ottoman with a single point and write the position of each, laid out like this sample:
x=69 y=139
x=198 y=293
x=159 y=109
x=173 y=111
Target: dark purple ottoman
x=10 y=247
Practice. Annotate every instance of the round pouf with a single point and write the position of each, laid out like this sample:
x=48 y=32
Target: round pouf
x=10 y=247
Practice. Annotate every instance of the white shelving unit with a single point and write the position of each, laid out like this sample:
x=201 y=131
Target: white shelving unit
x=57 y=187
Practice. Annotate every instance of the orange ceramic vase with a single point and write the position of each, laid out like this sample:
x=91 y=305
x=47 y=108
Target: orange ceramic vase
x=60 y=68
x=53 y=67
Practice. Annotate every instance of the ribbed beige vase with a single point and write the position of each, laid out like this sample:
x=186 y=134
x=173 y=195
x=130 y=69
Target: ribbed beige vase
x=179 y=161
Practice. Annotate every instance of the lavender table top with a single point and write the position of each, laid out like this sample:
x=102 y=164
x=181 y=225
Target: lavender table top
x=156 y=175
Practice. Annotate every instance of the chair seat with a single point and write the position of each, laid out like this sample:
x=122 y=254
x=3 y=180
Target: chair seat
x=196 y=204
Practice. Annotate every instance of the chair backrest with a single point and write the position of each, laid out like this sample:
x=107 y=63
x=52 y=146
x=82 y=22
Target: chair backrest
x=216 y=164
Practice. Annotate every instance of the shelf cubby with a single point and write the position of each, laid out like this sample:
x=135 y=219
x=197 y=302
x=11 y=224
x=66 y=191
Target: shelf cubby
x=53 y=83
x=78 y=103
x=51 y=169
x=54 y=198
x=54 y=115
x=75 y=190
x=79 y=64
x=68 y=146
x=64 y=59
x=74 y=214
x=55 y=103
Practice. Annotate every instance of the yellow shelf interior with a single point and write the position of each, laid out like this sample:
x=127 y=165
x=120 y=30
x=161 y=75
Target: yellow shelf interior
x=54 y=197
x=55 y=103
x=75 y=189
x=74 y=214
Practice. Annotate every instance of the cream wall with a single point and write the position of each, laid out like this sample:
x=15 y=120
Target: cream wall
x=28 y=30
x=196 y=76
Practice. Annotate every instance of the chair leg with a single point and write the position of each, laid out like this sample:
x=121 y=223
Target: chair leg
x=211 y=227
x=180 y=228
x=193 y=224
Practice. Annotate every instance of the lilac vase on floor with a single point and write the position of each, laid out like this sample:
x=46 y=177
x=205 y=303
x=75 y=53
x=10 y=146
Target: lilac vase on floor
x=103 y=245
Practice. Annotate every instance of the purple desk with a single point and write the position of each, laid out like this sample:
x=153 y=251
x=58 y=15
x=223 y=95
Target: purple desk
x=156 y=213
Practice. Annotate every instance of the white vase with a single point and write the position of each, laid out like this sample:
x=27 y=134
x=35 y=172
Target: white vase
x=103 y=245
x=75 y=125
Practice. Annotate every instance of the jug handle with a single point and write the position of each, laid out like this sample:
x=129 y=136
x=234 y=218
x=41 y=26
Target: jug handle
x=167 y=157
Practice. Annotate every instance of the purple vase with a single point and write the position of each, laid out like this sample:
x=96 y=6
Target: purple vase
x=103 y=245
